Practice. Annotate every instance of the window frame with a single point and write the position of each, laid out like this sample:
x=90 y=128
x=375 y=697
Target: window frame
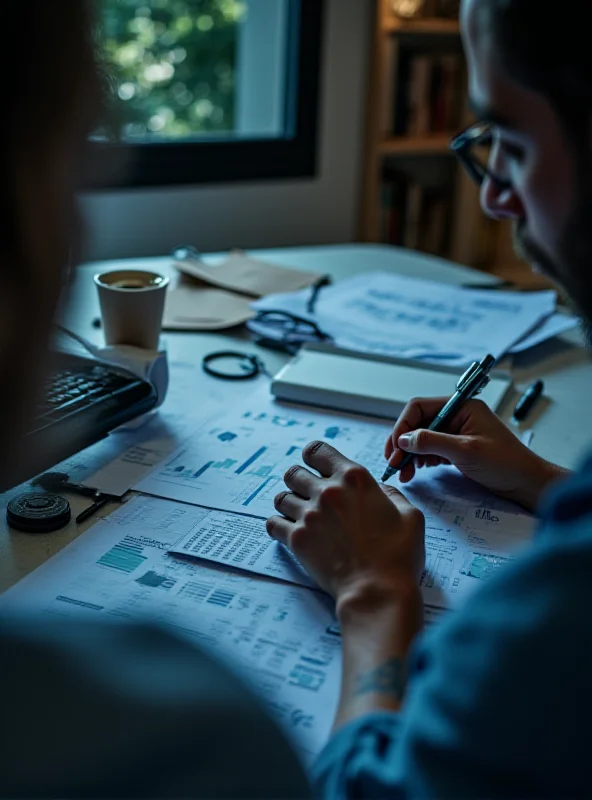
x=222 y=159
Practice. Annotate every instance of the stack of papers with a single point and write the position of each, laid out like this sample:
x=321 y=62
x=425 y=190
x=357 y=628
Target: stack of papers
x=193 y=551
x=196 y=556
x=407 y=318
x=235 y=468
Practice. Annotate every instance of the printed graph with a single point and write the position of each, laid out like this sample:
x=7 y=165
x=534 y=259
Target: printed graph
x=240 y=467
x=154 y=580
x=482 y=565
x=126 y=556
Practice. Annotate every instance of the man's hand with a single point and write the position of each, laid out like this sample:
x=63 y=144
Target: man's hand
x=477 y=443
x=363 y=543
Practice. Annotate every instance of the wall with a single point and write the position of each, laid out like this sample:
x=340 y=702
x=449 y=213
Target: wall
x=273 y=214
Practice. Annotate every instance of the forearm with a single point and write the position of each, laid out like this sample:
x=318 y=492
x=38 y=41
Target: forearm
x=537 y=479
x=376 y=639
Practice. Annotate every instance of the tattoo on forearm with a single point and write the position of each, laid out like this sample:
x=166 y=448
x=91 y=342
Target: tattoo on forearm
x=389 y=678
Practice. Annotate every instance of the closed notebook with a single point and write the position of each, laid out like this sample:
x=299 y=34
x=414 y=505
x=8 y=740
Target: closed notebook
x=372 y=386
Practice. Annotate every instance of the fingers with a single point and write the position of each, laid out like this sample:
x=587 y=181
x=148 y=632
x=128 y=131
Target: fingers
x=279 y=529
x=396 y=497
x=427 y=444
x=408 y=472
x=302 y=482
x=418 y=413
x=324 y=458
x=290 y=505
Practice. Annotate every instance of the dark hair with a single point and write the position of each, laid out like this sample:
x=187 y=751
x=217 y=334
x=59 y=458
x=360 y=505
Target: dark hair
x=549 y=51
x=52 y=86
x=51 y=94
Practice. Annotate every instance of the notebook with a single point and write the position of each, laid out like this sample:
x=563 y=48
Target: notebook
x=372 y=385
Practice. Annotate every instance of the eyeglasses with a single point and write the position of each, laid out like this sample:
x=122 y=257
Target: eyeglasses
x=473 y=149
x=281 y=330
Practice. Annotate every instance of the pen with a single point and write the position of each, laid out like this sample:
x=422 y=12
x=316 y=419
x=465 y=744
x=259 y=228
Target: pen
x=470 y=384
x=324 y=280
x=527 y=401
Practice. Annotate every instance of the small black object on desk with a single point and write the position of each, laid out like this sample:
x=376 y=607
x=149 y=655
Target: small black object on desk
x=60 y=481
x=527 y=401
x=38 y=512
x=243 y=366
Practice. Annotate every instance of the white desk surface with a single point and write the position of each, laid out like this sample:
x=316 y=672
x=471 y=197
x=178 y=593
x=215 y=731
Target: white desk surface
x=565 y=367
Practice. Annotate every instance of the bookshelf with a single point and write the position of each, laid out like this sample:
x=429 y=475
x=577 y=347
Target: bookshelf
x=415 y=193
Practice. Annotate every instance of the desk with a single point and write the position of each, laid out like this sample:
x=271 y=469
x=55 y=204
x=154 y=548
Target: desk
x=563 y=364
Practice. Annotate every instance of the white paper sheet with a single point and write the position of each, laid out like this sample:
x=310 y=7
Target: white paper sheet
x=470 y=533
x=283 y=640
x=239 y=467
x=235 y=540
x=554 y=325
x=392 y=315
x=238 y=464
x=118 y=462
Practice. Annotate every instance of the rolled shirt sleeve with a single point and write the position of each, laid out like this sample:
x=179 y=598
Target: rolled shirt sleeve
x=499 y=695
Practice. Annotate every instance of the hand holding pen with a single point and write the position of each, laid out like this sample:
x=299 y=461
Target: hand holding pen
x=468 y=386
x=475 y=441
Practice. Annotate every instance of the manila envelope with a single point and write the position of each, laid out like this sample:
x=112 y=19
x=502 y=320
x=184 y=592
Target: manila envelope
x=188 y=308
x=239 y=273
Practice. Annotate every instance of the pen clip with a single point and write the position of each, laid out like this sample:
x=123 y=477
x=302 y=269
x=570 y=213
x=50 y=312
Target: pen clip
x=477 y=375
x=469 y=375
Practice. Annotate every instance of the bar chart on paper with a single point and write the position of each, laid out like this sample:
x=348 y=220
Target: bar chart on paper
x=240 y=466
x=243 y=485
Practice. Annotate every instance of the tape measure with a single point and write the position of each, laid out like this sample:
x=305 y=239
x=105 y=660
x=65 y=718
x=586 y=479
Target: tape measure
x=38 y=512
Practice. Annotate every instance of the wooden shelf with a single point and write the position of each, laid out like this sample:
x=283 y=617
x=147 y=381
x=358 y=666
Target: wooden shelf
x=433 y=26
x=437 y=144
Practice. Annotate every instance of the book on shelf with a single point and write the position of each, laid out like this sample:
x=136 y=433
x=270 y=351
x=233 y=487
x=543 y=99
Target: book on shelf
x=413 y=214
x=427 y=95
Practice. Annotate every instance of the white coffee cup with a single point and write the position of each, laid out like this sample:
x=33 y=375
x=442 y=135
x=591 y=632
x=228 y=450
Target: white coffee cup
x=132 y=305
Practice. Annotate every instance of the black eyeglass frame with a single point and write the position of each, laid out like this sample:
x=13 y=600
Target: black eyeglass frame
x=291 y=324
x=462 y=145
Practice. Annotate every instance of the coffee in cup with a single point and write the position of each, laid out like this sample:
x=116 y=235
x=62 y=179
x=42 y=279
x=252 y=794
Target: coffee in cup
x=132 y=305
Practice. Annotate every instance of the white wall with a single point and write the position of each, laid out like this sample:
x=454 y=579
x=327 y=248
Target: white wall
x=270 y=214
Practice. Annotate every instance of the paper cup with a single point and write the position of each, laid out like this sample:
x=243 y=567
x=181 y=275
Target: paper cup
x=132 y=304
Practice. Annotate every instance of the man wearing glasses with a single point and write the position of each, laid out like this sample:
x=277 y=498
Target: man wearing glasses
x=495 y=700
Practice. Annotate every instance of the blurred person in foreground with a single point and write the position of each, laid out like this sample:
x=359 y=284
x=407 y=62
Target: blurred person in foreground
x=91 y=709
x=496 y=699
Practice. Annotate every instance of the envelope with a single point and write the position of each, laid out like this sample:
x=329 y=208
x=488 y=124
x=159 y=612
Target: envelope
x=192 y=308
x=251 y=277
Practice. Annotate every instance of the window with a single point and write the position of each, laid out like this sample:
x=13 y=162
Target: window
x=212 y=90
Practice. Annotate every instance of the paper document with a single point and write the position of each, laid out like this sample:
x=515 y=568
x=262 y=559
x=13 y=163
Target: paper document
x=249 y=276
x=554 y=325
x=281 y=639
x=409 y=318
x=238 y=464
x=204 y=309
x=470 y=533
x=235 y=540
x=117 y=463
x=239 y=467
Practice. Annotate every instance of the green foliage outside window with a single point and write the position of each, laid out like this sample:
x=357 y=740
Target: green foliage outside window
x=173 y=64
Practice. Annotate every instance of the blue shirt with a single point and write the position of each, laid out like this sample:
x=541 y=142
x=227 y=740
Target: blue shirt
x=499 y=699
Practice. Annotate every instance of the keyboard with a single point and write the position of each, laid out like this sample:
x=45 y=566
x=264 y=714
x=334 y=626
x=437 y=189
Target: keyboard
x=83 y=401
